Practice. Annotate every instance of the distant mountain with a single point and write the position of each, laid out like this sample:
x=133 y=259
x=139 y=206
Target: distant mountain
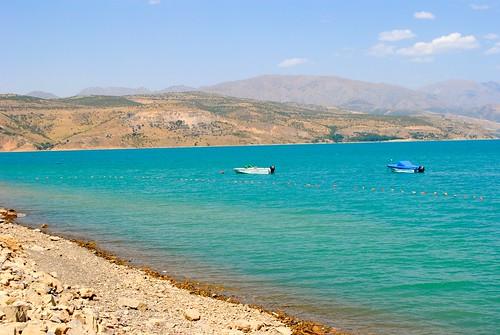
x=462 y=97
x=327 y=91
x=122 y=91
x=456 y=97
x=42 y=95
x=177 y=88
x=488 y=112
x=114 y=91
x=465 y=93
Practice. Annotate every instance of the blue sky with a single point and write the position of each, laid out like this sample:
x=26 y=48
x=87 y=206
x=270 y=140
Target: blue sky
x=62 y=46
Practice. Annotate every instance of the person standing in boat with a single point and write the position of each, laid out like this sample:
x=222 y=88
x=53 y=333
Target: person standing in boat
x=272 y=168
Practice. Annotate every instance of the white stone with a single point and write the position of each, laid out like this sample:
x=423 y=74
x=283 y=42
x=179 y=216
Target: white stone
x=35 y=328
x=192 y=314
x=49 y=300
x=86 y=293
x=242 y=325
x=284 y=330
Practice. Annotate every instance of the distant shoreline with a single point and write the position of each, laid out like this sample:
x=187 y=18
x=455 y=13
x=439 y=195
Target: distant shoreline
x=253 y=145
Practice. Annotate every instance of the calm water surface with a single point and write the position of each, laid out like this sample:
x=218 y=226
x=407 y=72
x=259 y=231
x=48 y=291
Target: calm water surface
x=332 y=235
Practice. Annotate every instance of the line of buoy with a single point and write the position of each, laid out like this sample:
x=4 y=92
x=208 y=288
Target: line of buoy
x=334 y=185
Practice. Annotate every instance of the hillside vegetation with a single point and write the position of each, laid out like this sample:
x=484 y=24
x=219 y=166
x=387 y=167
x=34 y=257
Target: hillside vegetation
x=201 y=119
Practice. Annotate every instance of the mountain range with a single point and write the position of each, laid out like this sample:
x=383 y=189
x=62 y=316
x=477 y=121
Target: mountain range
x=469 y=98
x=42 y=95
x=462 y=97
x=124 y=91
x=465 y=93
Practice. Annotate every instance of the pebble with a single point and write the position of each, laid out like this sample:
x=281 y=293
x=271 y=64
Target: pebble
x=284 y=330
x=242 y=325
x=192 y=314
x=132 y=303
x=86 y=293
x=37 y=248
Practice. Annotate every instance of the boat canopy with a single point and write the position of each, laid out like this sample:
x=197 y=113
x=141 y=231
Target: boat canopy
x=403 y=165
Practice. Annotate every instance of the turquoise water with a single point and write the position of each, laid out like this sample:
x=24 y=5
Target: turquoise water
x=333 y=235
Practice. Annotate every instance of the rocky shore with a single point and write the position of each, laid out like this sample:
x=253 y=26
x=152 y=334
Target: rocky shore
x=50 y=285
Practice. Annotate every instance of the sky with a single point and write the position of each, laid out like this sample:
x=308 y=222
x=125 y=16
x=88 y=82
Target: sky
x=63 y=46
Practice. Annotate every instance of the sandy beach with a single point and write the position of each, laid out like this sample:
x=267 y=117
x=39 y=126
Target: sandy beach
x=51 y=285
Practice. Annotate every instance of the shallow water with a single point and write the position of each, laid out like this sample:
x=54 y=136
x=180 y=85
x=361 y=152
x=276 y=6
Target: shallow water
x=332 y=235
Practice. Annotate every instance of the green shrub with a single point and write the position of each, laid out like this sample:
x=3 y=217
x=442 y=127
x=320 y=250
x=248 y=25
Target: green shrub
x=372 y=137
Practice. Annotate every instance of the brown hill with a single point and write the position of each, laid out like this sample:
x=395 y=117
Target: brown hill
x=194 y=118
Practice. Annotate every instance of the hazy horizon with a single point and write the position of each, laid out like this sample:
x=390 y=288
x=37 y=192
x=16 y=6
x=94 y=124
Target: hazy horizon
x=153 y=90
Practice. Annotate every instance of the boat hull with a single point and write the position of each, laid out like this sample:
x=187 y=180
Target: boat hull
x=253 y=170
x=404 y=170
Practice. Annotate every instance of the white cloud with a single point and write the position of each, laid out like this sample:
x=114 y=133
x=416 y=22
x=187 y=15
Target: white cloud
x=475 y=6
x=396 y=35
x=490 y=36
x=154 y=2
x=381 y=50
x=424 y=15
x=290 y=62
x=494 y=50
x=453 y=41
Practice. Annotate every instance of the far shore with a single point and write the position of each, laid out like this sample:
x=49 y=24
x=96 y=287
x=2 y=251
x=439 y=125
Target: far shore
x=252 y=145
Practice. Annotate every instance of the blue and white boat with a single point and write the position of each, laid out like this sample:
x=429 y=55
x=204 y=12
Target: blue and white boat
x=406 y=167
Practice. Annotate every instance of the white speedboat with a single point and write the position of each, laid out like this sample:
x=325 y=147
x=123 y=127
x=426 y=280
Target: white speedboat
x=255 y=170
